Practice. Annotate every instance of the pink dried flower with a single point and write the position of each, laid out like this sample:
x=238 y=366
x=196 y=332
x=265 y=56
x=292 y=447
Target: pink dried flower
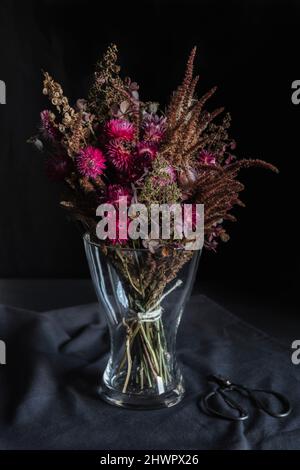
x=120 y=129
x=207 y=158
x=48 y=129
x=58 y=167
x=90 y=162
x=116 y=192
x=154 y=127
x=146 y=150
x=120 y=156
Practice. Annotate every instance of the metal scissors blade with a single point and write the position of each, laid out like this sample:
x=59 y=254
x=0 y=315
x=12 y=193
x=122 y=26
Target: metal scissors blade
x=282 y=400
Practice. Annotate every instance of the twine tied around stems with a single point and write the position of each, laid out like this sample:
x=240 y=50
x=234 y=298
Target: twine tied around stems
x=154 y=313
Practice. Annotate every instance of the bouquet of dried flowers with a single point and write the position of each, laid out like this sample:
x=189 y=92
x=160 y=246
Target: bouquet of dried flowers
x=113 y=145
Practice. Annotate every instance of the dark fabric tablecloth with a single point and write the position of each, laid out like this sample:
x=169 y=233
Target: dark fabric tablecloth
x=48 y=388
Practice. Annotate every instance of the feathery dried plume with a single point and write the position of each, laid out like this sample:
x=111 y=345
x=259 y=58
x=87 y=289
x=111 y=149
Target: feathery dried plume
x=186 y=120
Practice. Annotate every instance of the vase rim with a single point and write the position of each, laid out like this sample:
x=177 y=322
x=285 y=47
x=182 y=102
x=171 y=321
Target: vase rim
x=87 y=239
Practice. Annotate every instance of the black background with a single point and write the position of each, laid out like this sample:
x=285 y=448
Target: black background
x=248 y=48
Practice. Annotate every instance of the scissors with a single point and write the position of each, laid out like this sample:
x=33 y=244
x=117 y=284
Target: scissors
x=210 y=403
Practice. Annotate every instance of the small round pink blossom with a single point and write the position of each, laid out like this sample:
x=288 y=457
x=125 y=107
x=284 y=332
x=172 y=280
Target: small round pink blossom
x=90 y=162
x=207 y=158
x=147 y=149
x=145 y=153
x=120 y=129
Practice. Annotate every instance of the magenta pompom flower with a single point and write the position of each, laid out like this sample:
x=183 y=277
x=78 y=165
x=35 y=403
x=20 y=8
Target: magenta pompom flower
x=58 y=167
x=90 y=162
x=120 y=129
x=120 y=156
x=207 y=158
x=48 y=129
x=154 y=127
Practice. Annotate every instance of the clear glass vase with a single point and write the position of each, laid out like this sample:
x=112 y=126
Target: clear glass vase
x=143 y=295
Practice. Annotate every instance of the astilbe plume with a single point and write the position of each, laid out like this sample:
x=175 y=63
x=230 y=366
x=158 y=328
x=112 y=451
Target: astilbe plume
x=186 y=120
x=218 y=189
x=201 y=151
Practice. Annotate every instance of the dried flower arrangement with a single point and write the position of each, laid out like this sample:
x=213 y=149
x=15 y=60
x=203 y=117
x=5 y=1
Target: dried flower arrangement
x=113 y=145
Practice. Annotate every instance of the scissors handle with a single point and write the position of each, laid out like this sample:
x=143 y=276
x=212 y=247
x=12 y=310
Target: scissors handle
x=209 y=409
x=225 y=386
x=286 y=406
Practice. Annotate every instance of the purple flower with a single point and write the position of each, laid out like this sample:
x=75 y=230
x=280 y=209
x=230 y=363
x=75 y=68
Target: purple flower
x=154 y=127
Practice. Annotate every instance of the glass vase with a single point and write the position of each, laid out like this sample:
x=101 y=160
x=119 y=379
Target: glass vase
x=143 y=295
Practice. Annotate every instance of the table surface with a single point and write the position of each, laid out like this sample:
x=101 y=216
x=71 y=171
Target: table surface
x=48 y=388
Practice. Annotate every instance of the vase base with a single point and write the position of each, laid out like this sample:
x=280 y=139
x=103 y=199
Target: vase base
x=139 y=402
